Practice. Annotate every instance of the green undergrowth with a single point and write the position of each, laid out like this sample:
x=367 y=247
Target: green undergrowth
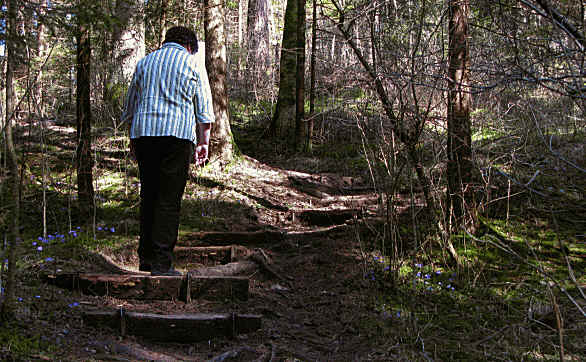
x=497 y=305
x=16 y=347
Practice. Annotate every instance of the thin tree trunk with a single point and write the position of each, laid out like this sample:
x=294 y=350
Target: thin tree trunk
x=215 y=55
x=41 y=50
x=241 y=29
x=300 y=127
x=85 y=189
x=460 y=164
x=258 y=37
x=6 y=312
x=283 y=118
x=312 y=81
x=162 y=21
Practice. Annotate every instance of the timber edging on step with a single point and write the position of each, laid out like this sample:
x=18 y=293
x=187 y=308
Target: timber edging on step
x=147 y=287
x=179 y=328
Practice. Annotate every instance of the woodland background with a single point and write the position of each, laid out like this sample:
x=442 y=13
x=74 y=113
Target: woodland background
x=469 y=113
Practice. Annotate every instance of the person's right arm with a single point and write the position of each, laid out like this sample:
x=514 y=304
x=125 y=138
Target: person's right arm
x=204 y=113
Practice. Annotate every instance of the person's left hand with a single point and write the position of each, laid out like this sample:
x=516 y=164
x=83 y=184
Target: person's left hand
x=201 y=154
x=132 y=150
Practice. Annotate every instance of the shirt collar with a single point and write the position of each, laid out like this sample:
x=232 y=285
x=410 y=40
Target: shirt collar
x=173 y=45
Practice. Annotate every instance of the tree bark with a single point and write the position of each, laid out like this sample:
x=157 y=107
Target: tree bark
x=162 y=21
x=312 y=78
x=222 y=141
x=84 y=158
x=128 y=37
x=283 y=118
x=7 y=309
x=300 y=126
x=259 y=55
x=41 y=51
x=124 y=46
x=461 y=204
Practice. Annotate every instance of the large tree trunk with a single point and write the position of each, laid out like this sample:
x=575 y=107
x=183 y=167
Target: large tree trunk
x=283 y=118
x=124 y=46
x=6 y=312
x=84 y=159
x=259 y=55
x=222 y=142
x=461 y=203
x=300 y=126
x=128 y=37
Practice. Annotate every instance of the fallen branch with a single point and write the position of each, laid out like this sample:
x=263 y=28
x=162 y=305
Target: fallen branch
x=138 y=353
x=244 y=267
x=256 y=259
x=232 y=354
x=263 y=260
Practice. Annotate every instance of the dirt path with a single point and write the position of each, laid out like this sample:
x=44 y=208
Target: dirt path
x=314 y=306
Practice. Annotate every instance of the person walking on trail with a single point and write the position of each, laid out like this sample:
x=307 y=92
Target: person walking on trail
x=169 y=111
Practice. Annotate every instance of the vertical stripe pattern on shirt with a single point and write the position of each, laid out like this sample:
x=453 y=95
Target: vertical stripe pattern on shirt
x=168 y=94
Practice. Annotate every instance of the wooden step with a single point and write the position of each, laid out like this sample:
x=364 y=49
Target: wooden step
x=319 y=217
x=230 y=238
x=208 y=255
x=147 y=287
x=178 y=328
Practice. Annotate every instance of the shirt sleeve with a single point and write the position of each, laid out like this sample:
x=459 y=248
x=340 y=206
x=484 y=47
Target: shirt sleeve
x=131 y=101
x=204 y=108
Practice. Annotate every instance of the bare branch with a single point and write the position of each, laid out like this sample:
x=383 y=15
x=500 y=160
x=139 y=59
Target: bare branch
x=558 y=19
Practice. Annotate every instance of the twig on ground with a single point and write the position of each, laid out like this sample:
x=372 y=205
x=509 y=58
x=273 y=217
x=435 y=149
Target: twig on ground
x=559 y=321
x=273 y=352
x=486 y=339
x=563 y=250
x=262 y=259
x=232 y=354
x=139 y=353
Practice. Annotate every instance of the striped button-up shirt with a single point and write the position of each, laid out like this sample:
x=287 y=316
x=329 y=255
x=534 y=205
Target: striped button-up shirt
x=168 y=94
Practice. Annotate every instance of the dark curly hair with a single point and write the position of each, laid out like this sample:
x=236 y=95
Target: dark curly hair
x=183 y=36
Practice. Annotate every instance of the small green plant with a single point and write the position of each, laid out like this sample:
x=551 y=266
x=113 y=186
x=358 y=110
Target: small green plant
x=16 y=347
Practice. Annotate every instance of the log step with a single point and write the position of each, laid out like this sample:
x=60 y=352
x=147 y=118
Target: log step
x=328 y=217
x=179 y=328
x=229 y=238
x=147 y=287
x=208 y=255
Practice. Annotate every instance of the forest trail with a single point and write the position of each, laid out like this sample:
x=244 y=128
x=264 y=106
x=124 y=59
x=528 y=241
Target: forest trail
x=285 y=264
x=305 y=270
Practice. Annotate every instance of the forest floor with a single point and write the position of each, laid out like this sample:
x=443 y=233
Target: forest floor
x=336 y=292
